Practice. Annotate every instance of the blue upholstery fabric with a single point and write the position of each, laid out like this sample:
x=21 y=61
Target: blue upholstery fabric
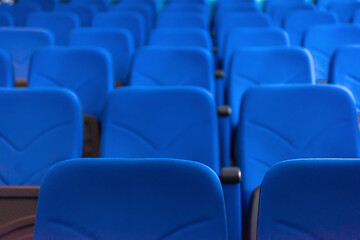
x=6 y=19
x=272 y=4
x=344 y=71
x=87 y=71
x=21 y=44
x=84 y=12
x=101 y=5
x=310 y=198
x=6 y=70
x=131 y=199
x=280 y=11
x=344 y=11
x=19 y=12
x=298 y=22
x=173 y=66
x=46 y=5
x=322 y=41
x=38 y=129
x=325 y=3
x=183 y=20
x=161 y=122
x=287 y=122
x=118 y=42
x=279 y=66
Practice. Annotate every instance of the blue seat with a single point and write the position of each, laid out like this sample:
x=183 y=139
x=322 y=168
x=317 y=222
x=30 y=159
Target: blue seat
x=144 y=10
x=84 y=12
x=19 y=12
x=324 y=4
x=318 y=196
x=185 y=7
x=6 y=19
x=59 y=23
x=46 y=128
x=87 y=71
x=240 y=38
x=322 y=41
x=235 y=20
x=183 y=20
x=344 y=70
x=46 y=5
x=101 y=5
x=270 y=5
x=21 y=44
x=287 y=122
x=281 y=11
x=181 y=38
x=297 y=22
x=356 y=18
x=124 y=195
x=344 y=11
x=131 y=21
x=279 y=66
x=152 y=3
x=173 y=66
x=6 y=70
x=118 y=42
x=203 y=2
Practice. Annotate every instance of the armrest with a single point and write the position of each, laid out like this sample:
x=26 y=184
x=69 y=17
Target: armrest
x=18 y=211
x=251 y=220
x=91 y=146
x=219 y=73
x=230 y=179
x=224 y=121
x=215 y=49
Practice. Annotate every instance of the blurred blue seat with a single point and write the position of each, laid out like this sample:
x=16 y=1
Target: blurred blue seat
x=112 y=187
x=279 y=66
x=345 y=11
x=324 y=4
x=21 y=44
x=6 y=20
x=270 y=5
x=87 y=71
x=298 y=22
x=6 y=70
x=154 y=4
x=46 y=5
x=344 y=70
x=173 y=66
x=19 y=12
x=318 y=196
x=322 y=41
x=118 y=42
x=84 y=12
x=356 y=18
x=278 y=123
x=101 y=5
x=183 y=20
x=59 y=23
x=281 y=11
x=185 y=7
x=131 y=21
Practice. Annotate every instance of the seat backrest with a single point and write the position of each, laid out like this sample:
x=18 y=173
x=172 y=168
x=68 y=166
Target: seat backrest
x=118 y=42
x=46 y=5
x=152 y=3
x=19 y=12
x=6 y=70
x=324 y=4
x=181 y=38
x=280 y=11
x=183 y=20
x=59 y=23
x=356 y=18
x=21 y=43
x=345 y=11
x=6 y=20
x=120 y=197
x=131 y=21
x=173 y=66
x=297 y=22
x=101 y=5
x=38 y=129
x=279 y=66
x=161 y=122
x=286 y=122
x=240 y=38
x=344 y=70
x=183 y=7
x=310 y=197
x=87 y=71
x=235 y=20
x=84 y=12
x=272 y=4
x=323 y=40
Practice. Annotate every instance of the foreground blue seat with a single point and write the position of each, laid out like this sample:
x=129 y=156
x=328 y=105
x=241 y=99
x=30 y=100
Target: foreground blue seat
x=345 y=11
x=38 y=129
x=318 y=196
x=118 y=42
x=85 y=12
x=181 y=38
x=131 y=21
x=183 y=20
x=322 y=41
x=281 y=10
x=279 y=66
x=286 y=122
x=129 y=193
x=298 y=22
x=6 y=70
x=241 y=38
x=87 y=71
x=21 y=44
x=169 y=122
x=344 y=70
x=173 y=66
x=19 y=12
x=59 y=23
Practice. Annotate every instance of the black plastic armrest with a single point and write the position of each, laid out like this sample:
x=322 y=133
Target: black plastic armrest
x=230 y=175
x=215 y=49
x=219 y=73
x=224 y=111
